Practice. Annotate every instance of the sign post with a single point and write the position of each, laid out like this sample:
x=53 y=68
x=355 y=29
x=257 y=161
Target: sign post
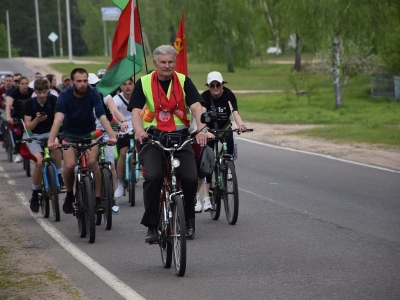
x=109 y=14
x=53 y=37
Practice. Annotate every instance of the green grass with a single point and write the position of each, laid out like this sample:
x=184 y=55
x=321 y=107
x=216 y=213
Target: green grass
x=360 y=119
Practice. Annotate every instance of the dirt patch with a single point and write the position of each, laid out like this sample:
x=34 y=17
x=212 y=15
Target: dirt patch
x=25 y=273
x=364 y=153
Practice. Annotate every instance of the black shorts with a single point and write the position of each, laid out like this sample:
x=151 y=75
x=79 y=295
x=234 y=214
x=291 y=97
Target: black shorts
x=123 y=142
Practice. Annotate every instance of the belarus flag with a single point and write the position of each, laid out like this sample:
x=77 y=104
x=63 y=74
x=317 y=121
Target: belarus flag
x=126 y=48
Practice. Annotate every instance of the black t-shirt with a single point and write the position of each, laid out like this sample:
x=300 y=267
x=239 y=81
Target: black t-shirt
x=138 y=99
x=19 y=102
x=48 y=108
x=8 y=92
x=221 y=106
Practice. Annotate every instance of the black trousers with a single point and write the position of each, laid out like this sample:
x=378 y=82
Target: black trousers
x=152 y=158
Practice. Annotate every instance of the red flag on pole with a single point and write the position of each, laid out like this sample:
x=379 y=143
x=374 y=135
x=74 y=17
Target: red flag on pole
x=180 y=46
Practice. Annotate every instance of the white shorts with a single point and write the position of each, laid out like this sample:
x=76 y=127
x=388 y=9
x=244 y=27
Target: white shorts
x=35 y=146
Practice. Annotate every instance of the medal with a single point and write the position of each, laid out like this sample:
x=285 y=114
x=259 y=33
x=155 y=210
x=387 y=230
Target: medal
x=164 y=116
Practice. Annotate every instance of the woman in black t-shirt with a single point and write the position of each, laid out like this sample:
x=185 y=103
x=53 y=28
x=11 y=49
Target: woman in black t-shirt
x=222 y=101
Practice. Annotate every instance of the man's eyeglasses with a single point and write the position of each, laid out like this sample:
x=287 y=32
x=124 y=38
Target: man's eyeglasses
x=215 y=86
x=81 y=80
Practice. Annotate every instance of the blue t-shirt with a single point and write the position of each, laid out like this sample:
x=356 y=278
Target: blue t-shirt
x=78 y=112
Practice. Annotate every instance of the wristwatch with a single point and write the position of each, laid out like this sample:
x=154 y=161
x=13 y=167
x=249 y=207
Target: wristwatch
x=124 y=121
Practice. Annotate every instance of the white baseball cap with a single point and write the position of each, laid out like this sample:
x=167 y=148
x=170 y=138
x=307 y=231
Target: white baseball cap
x=93 y=79
x=215 y=76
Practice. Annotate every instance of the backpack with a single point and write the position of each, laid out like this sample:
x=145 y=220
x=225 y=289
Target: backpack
x=107 y=110
x=206 y=162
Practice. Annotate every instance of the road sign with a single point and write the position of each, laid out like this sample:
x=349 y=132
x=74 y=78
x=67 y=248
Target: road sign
x=53 y=37
x=110 y=13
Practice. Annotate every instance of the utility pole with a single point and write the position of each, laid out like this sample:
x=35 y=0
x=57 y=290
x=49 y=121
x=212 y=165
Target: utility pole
x=38 y=29
x=69 y=32
x=8 y=35
x=60 y=28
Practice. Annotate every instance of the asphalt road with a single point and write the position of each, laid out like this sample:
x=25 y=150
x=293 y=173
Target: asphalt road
x=16 y=66
x=309 y=228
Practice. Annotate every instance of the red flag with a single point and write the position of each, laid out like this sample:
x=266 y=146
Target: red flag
x=180 y=46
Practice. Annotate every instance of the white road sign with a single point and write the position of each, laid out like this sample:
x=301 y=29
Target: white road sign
x=53 y=37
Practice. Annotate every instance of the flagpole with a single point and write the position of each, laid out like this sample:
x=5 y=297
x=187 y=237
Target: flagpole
x=141 y=36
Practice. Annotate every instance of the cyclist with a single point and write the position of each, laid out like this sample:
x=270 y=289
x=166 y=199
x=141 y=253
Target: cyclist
x=218 y=100
x=15 y=85
x=167 y=96
x=39 y=117
x=109 y=150
x=14 y=109
x=74 y=110
x=121 y=102
x=3 y=90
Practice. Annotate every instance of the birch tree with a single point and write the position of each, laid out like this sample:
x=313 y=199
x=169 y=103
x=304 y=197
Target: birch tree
x=326 y=23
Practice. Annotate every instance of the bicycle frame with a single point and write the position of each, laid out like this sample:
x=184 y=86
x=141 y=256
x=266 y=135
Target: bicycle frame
x=135 y=164
x=48 y=160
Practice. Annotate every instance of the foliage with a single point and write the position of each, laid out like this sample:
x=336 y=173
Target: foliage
x=390 y=50
x=356 y=60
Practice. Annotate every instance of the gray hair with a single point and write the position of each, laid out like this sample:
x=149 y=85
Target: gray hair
x=164 y=50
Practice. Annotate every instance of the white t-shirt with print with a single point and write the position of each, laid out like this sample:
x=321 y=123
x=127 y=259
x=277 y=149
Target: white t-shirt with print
x=122 y=108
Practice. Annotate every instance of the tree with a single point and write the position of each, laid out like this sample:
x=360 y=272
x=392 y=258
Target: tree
x=324 y=22
x=223 y=31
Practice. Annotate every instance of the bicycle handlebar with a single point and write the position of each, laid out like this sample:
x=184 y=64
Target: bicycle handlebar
x=237 y=130
x=152 y=140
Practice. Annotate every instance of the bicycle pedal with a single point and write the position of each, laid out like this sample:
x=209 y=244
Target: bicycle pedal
x=153 y=243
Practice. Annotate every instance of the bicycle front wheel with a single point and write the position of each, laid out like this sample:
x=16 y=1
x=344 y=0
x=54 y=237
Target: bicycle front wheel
x=107 y=196
x=89 y=209
x=231 y=193
x=132 y=181
x=215 y=198
x=163 y=241
x=178 y=235
x=44 y=202
x=53 y=192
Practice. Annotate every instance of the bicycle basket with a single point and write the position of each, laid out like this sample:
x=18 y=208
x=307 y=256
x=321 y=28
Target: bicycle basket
x=206 y=162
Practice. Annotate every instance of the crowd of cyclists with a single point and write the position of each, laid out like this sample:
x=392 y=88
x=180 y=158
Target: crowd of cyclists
x=74 y=108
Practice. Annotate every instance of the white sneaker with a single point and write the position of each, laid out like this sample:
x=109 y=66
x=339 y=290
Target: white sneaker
x=119 y=191
x=198 y=208
x=207 y=204
x=114 y=207
x=18 y=159
x=229 y=175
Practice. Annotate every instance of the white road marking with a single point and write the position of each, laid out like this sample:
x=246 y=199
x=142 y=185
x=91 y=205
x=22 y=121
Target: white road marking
x=319 y=154
x=110 y=279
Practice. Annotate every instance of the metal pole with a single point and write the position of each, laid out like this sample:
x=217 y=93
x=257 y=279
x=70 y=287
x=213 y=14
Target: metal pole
x=38 y=29
x=60 y=28
x=105 y=39
x=8 y=35
x=54 y=49
x=69 y=32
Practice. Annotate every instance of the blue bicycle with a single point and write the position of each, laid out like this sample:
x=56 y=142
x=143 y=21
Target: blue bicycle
x=50 y=182
x=132 y=167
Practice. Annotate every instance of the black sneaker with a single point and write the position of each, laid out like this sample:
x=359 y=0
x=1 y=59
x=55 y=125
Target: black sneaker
x=189 y=228
x=34 y=203
x=151 y=236
x=68 y=207
x=100 y=208
x=62 y=184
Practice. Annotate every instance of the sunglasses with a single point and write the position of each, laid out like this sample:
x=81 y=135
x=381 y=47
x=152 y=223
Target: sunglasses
x=16 y=80
x=215 y=86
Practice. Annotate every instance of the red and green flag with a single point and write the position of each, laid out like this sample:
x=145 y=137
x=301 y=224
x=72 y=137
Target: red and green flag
x=126 y=48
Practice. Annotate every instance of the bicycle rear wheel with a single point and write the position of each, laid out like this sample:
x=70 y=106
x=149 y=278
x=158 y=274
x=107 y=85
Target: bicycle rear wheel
x=231 y=193
x=27 y=167
x=163 y=241
x=89 y=209
x=9 y=146
x=178 y=235
x=215 y=198
x=132 y=181
x=107 y=196
x=53 y=192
